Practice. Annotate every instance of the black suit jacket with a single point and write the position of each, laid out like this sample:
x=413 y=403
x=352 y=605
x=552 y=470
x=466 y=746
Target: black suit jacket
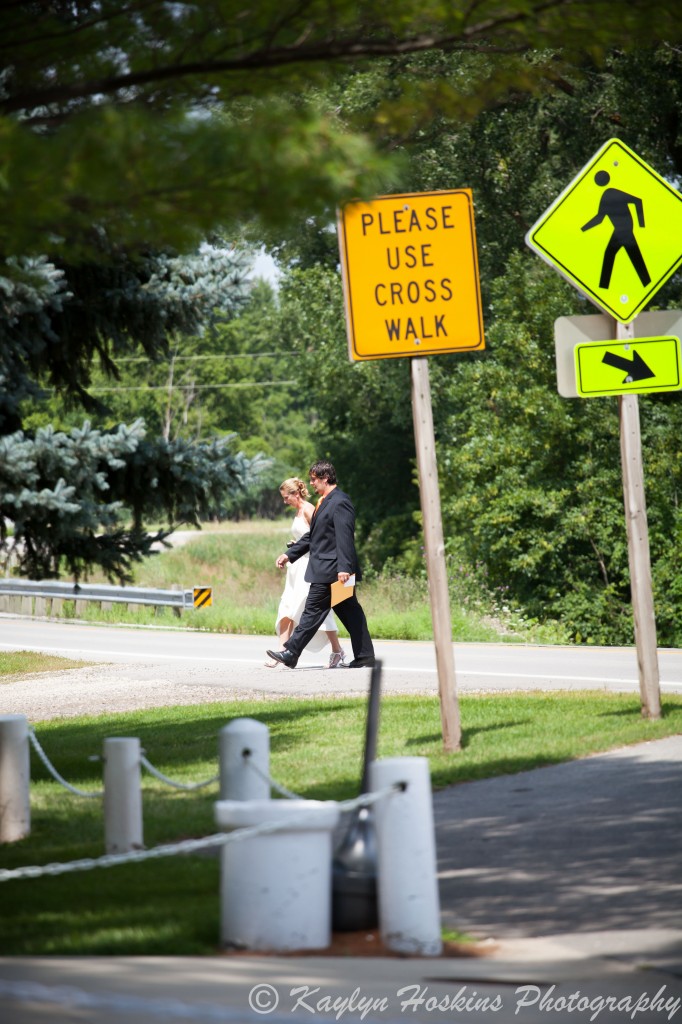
x=330 y=541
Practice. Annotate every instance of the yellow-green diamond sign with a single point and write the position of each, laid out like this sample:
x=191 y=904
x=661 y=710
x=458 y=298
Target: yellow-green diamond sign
x=624 y=367
x=615 y=233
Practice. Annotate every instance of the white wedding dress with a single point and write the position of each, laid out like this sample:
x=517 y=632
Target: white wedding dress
x=296 y=590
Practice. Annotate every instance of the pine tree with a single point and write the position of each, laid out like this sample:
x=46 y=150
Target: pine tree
x=70 y=501
x=78 y=500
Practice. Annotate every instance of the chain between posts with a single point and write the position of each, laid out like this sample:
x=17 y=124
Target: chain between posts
x=53 y=771
x=170 y=782
x=99 y=793
x=190 y=845
x=277 y=786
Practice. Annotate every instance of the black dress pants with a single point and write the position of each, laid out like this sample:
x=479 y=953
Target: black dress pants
x=316 y=609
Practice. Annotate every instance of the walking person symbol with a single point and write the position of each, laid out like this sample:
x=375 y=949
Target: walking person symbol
x=615 y=205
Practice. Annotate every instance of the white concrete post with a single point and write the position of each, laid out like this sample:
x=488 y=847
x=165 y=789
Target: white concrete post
x=276 y=888
x=238 y=780
x=15 y=779
x=122 y=795
x=407 y=882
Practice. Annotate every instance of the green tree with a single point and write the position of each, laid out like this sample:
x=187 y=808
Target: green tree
x=69 y=495
x=78 y=498
x=134 y=128
x=531 y=482
x=237 y=376
x=59 y=322
x=164 y=121
x=362 y=411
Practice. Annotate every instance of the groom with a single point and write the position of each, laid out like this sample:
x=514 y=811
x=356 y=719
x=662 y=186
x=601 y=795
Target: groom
x=331 y=544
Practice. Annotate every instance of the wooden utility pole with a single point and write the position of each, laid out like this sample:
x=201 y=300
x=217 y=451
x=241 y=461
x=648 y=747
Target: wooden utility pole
x=638 y=546
x=435 y=551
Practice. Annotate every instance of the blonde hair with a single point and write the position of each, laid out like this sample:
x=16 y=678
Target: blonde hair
x=294 y=486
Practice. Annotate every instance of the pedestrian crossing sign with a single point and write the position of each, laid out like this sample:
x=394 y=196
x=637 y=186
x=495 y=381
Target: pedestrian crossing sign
x=615 y=232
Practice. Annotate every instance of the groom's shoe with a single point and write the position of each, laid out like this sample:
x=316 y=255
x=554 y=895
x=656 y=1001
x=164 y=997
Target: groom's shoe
x=285 y=657
x=363 y=663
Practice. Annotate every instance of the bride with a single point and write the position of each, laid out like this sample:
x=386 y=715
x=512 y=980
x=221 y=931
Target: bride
x=294 y=494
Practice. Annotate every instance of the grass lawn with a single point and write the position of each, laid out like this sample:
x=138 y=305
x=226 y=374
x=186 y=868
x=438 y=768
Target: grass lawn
x=170 y=905
x=13 y=663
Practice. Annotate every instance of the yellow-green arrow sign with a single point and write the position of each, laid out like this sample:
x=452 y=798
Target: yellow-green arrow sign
x=615 y=232
x=628 y=367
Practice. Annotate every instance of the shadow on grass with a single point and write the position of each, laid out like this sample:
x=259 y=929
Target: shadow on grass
x=666 y=708
x=467 y=734
x=172 y=741
x=123 y=910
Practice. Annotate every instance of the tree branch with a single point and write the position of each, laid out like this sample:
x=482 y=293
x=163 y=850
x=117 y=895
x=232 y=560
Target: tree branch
x=303 y=51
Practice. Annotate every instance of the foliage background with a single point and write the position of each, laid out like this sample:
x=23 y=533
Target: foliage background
x=120 y=166
x=531 y=482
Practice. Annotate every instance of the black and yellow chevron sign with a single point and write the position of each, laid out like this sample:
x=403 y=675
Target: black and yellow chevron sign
x=203 y=597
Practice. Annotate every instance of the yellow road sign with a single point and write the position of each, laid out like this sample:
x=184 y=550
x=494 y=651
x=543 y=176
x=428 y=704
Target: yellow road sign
x=636 y=366
x=615 y=232
x=203 y=597
x=410 y=275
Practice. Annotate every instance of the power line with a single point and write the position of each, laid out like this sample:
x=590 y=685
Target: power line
x=196 y=387
x=218 y=355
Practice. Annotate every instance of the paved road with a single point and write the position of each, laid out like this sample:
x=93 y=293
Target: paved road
x=219 y=659
x=586 y=847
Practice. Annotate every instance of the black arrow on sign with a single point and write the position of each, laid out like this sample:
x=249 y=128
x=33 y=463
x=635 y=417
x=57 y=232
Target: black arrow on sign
x=635 y=368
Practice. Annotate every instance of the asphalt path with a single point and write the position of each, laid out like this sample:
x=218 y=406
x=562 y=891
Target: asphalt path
x=204 y=658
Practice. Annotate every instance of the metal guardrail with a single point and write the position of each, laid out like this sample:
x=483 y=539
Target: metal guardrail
x=53 y=589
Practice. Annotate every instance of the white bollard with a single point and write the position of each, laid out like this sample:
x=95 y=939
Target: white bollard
x=15 y=779
x=407 y=882
x=238 y=779
x=122 y=795
x=276 y=888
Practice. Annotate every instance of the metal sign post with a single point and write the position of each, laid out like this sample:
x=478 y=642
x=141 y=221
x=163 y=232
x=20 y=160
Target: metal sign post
x=354 y=866
x=580 y=350
x=435 y=551
x=638 y=547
